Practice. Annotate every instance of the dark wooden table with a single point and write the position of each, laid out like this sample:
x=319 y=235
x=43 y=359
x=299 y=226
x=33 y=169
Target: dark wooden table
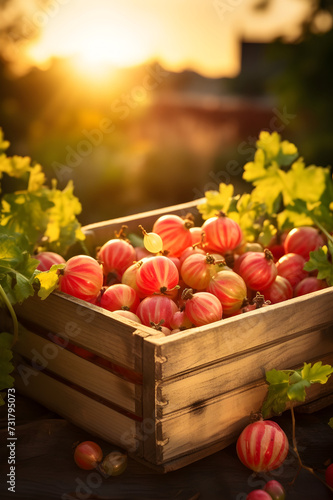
x=45 y=469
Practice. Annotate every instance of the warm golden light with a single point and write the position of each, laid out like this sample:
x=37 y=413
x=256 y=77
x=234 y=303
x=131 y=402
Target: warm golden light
x=201 y=35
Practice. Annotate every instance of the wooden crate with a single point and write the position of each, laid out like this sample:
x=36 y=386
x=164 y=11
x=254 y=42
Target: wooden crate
x=167 y=400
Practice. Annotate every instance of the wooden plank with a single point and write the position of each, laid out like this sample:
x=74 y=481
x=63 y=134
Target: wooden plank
x=97 y=234
x=197 y=386
x=149 y=402
x=235 y=336
x=187 y=431
x=79 y=409
x=80 y=371
x=86 y=325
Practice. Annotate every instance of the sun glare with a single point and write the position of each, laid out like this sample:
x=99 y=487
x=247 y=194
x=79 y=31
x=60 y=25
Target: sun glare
x=105 y=34
x=94 y=42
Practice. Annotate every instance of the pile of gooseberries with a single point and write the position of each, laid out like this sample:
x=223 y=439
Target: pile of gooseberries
x=186 y=276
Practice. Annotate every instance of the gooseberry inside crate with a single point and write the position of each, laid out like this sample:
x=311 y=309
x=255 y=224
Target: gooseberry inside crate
x=167 y=400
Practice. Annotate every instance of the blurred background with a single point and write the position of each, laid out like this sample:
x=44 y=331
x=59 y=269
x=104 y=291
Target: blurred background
x=148 y=104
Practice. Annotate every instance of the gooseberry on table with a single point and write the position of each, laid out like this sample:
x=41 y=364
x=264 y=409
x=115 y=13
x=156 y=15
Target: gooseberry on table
x=87 y=455
x=275 y=490
x=262 y=446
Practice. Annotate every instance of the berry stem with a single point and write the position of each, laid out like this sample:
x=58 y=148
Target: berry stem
x=144 y=232
x=301 y=465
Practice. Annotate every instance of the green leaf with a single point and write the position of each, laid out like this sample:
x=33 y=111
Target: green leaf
x=15 y=166
x=275 y=401
x=36 y=178
x=290 y=385
x=317 y=372
x=267 y=232
x=294 y=215
x=63 y=228
x=48 y=280
x=284 y=153
x=298 y=384
x=305 y=183
x=3 y=144
x=26 y=213
x=321 y=261
x=17 y=267
x=268 y=184
x=216 y=201
x=330 y=423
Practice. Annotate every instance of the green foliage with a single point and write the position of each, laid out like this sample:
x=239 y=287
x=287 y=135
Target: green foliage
x=47 y=216
x=32 y=218
x=16 y=266
x=217 y=201
x=285 y=193
x=290 y=386
x=48 y=281
x=321 y=260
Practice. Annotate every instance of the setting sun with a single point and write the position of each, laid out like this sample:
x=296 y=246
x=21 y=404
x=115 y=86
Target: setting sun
x=95 y=39
x=110 y=33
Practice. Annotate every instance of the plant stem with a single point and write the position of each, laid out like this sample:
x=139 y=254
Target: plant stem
x=320 y=226
x=84 y=247
x=12 y=313
x=301 y=465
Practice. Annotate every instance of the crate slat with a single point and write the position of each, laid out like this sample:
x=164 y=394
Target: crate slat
x=210 y=381
x=86 y=325
x=81 y=410
x=80 y=371
x=238 y=335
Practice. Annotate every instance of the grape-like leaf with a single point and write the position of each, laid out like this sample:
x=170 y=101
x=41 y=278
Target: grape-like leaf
x=283 y=152
x=17 y=267
x=216 y=201
x=276 y=398
x=321 y=261
x=290 y=385
x=26 y=213
x=317 y=372
x=3 y=144
x=267 y=232
x=15 y=166
x=36 y=178
x=305 y=183
x=63 y=228
x=48 y=280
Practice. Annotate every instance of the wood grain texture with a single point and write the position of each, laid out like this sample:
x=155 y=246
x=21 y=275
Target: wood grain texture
x=221 y=418
x=80 y=371
x=200 y=385
x=79 y=409
x=185 y=351
x=86 y=325
x=45 y=468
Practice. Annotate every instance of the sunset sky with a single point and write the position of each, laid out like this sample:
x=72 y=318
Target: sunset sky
x=203 y=35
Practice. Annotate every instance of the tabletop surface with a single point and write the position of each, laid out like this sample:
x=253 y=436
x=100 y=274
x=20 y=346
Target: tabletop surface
x=45 y=468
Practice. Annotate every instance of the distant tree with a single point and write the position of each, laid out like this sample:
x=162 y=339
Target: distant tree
x=21 y=21
x=304 y=84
